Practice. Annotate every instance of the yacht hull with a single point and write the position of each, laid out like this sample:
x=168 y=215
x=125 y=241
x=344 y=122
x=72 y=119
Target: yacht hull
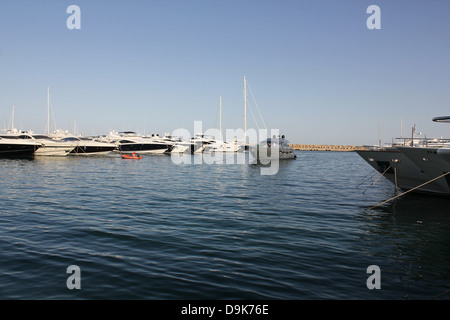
x=15 y=150
x=432 y=161
x=53 y=151
x=91 y=150
x=400 y=169
x=263 y=154
x=143 y=148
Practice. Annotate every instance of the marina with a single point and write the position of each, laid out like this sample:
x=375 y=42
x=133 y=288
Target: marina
x=179 y=214
x=156 y=227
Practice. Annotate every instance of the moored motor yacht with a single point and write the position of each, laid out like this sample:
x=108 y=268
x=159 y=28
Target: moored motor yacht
x=414 y=164
x=18 y=148
x=130 y=141
x=275 y=148
x=49 y=146
x=224 y=146
x=84 y=146
x=433 y=163
x=399 y=169
x=195 y=145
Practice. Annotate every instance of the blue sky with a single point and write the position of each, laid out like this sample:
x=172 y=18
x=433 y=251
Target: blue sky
x=316 y=71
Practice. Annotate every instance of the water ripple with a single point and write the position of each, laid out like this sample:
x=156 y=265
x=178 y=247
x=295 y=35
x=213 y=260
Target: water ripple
x=151 y=229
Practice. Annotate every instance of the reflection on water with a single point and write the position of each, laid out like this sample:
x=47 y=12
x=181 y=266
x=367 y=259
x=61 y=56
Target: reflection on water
x=413 y=234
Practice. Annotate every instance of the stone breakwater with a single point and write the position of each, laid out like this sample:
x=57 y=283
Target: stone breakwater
x=325 y=147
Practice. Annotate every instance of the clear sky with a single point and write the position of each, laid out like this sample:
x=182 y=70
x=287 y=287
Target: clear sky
x=316 y=71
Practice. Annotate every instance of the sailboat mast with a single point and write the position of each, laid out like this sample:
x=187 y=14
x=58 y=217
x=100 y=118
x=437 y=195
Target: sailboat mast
x=12 y=120
x=401 y=127
x=379 y=133
x=245 y=110
x=48 y=110
x=220 y=116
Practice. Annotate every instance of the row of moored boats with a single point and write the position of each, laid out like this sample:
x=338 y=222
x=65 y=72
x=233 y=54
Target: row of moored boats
x=414 y=164
x=19 y=144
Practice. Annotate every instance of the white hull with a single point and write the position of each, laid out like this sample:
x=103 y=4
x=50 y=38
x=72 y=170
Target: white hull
x=223 y=146
x=129 y=142
x=53 y=151
x=181 y=148
x=195 y=145
x=89 y=154
x=143 y=152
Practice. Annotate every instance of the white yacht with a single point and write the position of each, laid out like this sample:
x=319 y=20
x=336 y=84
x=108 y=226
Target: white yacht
x=197 y=144
x=130 y=141
x=263 y=151
x=48 y=146
x=167 y=139
x=220 y=145
x=223 y=146
x=84 y=146
x=18 y=148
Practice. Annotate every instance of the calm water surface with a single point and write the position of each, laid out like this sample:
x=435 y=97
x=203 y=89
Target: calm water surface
x=153 y=229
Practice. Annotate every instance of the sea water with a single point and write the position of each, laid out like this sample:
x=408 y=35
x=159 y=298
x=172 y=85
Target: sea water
x=156 y=229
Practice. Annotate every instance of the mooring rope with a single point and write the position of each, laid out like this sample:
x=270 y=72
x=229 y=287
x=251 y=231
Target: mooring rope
x=439 y=295
x=443 y=175
x=376 y=172
x=378 y=178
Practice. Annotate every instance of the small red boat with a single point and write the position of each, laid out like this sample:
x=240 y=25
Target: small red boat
x=131 y=156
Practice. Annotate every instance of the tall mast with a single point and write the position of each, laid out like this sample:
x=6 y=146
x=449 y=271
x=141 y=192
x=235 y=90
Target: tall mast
x=401 y=127
x=220 y=116
x=379 y=133
x=12 y=120
x=245 y=110
x=48 y=110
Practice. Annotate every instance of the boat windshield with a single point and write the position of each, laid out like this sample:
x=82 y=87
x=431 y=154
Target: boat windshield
x=42 y=137
x=70 y=139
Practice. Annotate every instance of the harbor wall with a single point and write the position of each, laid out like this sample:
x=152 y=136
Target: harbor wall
x=325 y=147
